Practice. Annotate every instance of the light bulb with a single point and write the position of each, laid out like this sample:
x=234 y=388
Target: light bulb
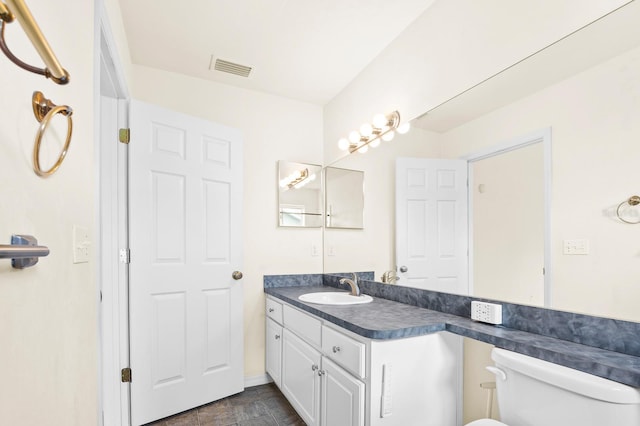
x=379 y=121
x=374 y=143
x=343 y=144
x=388 y=136
x=403 y=128
x=363 y=149
x=366 y=129
x=354 y=137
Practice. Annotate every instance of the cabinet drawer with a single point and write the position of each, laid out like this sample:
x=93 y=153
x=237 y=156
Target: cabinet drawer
x=274 y=310
x=344 y=350
x=302 y=324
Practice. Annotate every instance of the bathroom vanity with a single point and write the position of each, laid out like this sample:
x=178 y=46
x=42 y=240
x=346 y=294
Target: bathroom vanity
x=333 y=376
x=301 y=338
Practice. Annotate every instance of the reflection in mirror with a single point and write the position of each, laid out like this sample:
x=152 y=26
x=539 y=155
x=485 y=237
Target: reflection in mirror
x=299 y=195
x=373 y=247
x=344 y=193
x=591 y=104
x=507 y=214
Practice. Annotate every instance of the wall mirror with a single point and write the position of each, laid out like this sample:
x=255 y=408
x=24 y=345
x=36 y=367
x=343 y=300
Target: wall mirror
x=585 y=89
x=344 y=198
x=299 y=195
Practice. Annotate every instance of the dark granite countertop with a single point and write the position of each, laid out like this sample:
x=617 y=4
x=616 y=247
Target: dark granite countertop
x=385 y=319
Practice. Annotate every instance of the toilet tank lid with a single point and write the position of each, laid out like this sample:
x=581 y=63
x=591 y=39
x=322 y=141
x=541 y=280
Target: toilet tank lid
x=567 y=378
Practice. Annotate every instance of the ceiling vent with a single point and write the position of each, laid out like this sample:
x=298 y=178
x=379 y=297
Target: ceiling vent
x=231 y=68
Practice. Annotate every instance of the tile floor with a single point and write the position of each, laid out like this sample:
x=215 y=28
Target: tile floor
x=262 y=405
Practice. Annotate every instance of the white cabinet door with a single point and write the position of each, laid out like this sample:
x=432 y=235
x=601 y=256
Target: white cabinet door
x=342 y=396
x=274 y=350
x=300 y=380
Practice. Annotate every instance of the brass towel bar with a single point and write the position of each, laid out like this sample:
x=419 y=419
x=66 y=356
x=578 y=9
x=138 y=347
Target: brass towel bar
x=18 y=9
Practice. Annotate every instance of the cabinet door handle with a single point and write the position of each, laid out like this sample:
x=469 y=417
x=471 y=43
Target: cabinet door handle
x=271 y=309
x=336 y=349
x=277 y=336
x=321 y=373
x=314 y=367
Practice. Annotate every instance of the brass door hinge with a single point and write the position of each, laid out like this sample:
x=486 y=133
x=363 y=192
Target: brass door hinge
x=126 y=375
x=124 y=135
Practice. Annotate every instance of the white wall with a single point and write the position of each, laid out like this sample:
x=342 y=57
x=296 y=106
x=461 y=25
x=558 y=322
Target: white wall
x=273 y=129
x=48 y=330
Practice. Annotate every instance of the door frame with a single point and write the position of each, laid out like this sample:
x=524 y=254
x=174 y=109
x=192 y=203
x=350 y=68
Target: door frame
x=111 y=274
x=540 y=136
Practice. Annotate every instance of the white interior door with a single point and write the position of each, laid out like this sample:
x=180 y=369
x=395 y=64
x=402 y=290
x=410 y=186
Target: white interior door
x=431 y=224
x=185 y=241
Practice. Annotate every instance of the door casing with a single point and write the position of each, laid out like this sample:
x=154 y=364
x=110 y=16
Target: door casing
x=111 y=229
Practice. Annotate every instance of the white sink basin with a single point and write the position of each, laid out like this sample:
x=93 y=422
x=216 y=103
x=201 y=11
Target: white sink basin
x=335 y=298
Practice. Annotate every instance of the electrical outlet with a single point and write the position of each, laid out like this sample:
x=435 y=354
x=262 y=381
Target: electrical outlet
x=486 y=312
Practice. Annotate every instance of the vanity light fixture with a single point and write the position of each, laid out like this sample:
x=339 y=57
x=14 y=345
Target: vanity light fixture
x=382 y=127
x=297 y=179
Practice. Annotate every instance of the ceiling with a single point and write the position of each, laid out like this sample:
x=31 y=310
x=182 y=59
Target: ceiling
x=300 y=49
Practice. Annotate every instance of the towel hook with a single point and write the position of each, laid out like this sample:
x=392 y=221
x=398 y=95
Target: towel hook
x=44 y=110
x=632 y=201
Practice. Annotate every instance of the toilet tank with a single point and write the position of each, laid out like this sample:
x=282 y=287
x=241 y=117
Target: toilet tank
x=533 y=392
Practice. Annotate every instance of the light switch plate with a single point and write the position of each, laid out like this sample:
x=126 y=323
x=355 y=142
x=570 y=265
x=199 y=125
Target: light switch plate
x=81 y=244
x=571 y=247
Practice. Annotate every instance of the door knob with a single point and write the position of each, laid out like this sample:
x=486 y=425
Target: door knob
x=236 y=275
x=403 y=269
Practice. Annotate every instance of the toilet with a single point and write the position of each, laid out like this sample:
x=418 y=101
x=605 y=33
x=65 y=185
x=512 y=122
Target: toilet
x=532 y=392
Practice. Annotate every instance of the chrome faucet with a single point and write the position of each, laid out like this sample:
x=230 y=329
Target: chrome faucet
x=355 y=290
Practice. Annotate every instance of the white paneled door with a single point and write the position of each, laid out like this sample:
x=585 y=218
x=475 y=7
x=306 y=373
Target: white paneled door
x=185 y=194
x=432 y=224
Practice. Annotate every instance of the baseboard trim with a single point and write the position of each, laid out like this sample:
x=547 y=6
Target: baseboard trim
x=258 y=380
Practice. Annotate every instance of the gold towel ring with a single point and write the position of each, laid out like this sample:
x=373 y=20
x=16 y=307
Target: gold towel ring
x=632 y=201
x=44 y=110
